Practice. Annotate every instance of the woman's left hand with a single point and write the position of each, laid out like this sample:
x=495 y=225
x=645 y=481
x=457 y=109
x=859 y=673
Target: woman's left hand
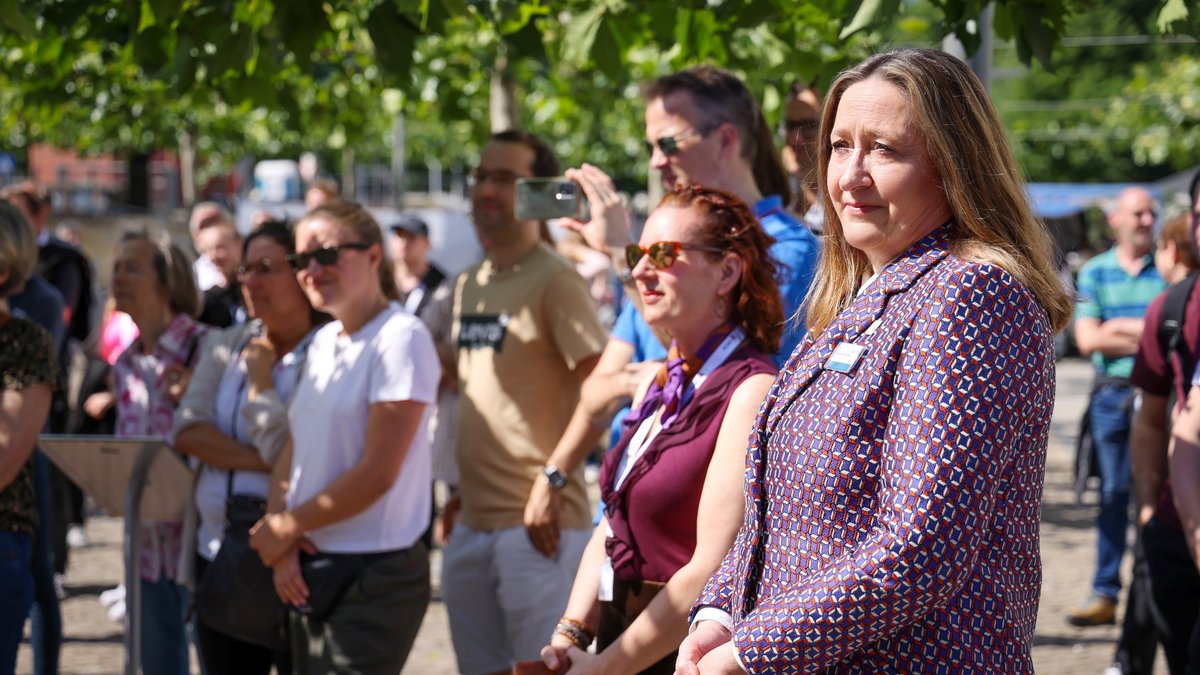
x=581 y=661
x=721 y=661
x=289 y=581
x=274 y=536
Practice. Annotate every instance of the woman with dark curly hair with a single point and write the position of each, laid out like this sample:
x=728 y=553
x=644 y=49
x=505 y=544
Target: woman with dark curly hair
x=672 y=485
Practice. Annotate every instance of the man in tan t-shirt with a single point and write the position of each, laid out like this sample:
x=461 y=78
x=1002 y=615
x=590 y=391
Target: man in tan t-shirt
x=527 y=336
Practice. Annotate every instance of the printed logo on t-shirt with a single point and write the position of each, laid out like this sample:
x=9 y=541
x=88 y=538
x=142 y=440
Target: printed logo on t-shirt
x=482 y=331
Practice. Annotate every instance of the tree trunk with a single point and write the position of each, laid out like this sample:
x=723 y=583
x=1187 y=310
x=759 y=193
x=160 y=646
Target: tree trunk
x=187 y=169
x=349 y=183
x=398 y=153
x=502 y=99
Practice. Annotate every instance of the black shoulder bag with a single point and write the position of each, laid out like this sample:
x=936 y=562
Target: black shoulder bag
x=237 y=594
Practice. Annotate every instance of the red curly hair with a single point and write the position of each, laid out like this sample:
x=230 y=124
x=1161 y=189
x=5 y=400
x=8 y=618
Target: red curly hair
x=729 y=225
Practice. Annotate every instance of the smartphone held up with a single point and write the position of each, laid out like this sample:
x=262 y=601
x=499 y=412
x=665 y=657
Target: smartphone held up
x=547 y=198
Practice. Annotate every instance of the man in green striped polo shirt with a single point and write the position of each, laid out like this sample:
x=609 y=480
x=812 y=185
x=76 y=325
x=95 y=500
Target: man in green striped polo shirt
x=1114 y=289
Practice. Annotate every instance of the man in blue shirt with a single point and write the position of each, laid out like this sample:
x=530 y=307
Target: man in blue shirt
x=1115 y=288
x=703 y=127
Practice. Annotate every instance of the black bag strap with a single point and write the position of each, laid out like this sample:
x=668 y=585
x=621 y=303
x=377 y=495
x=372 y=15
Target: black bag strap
x=1170 y=332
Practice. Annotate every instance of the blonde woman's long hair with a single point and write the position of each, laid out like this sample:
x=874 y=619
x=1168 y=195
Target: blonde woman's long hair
x=985 y=189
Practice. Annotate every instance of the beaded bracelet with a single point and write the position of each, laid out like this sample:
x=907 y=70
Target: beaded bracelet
x=575 y=631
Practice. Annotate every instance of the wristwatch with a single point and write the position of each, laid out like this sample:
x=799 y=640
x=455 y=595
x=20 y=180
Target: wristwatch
x=627 y=276
x=554 y=477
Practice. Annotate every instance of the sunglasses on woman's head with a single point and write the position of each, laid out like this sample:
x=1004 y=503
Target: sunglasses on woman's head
x=663 y=253
x=328 y=255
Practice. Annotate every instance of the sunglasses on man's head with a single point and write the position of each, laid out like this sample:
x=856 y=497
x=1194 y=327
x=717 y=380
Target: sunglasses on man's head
x=669 y=145
x=328 y=255
x=663 y=253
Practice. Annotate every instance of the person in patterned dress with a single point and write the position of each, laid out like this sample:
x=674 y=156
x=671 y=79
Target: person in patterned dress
x=28 y=371
x=152 y=282
x=894 y=474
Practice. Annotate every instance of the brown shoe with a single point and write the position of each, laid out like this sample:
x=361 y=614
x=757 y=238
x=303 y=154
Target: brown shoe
x=1101 y=611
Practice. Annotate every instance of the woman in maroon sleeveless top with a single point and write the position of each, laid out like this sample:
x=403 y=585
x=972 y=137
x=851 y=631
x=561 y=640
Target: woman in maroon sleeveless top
x=673 y=484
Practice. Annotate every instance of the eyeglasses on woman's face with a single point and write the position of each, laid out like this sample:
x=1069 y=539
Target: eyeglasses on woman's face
x=265 y=267
x=327 y=255
x=663 y=253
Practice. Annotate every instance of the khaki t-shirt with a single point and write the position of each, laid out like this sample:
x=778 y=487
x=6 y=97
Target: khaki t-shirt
x=520 y=333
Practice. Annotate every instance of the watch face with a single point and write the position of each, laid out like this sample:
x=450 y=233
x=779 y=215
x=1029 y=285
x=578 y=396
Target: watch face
x=555 y=478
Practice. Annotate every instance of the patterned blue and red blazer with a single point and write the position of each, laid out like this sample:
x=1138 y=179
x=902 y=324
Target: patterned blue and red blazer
x=892 y=512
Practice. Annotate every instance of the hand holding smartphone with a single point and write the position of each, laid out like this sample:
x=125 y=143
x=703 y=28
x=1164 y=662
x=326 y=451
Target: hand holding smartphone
x=547 y=198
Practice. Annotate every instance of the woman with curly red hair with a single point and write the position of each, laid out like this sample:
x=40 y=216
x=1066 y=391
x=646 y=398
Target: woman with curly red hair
x=672 y=485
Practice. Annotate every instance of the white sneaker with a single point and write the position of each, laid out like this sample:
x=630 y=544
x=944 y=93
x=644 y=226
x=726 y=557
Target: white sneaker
x=112 y=596
x=77 y=536
x=117 y=611
x=1114 y=669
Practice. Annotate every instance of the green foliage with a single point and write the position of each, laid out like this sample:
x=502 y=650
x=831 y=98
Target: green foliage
x=1161 y=108
x=1079 y=122
x=275 y=77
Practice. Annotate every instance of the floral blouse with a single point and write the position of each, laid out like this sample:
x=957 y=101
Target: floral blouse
x=143 y=409
x=26 y=359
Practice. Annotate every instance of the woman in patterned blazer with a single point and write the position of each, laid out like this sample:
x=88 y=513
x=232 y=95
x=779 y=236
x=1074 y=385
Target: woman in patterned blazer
x=895 y=471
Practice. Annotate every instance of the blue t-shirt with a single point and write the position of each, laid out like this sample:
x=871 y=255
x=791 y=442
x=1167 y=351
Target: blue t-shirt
x=633 y=329
x=1106 y=291
x=795 y=249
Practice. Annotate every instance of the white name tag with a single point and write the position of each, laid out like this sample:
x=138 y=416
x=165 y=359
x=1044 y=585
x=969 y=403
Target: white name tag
x=845 y=357
x=606 y=580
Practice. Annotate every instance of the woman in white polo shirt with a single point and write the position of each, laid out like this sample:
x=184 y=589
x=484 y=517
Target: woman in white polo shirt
x=346 y=552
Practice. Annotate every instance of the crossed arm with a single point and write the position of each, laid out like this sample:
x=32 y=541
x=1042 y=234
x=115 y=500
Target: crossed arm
x=22 y=414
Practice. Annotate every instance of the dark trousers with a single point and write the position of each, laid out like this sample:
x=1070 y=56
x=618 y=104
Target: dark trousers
x=224 y=654
x=46 y=617
x=372 y=628
x=1138 y=645
x=629 y=599
x=1175 y=583
x=67 y=510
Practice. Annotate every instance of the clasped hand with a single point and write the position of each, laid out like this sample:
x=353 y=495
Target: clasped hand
x=278 y=541
x=708 y=651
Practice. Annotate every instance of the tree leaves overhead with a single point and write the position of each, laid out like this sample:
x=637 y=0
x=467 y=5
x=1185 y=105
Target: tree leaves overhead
x=1105 y=112
x=278 y=76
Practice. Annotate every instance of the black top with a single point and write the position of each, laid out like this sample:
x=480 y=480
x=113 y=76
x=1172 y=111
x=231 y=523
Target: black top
x=26 y=359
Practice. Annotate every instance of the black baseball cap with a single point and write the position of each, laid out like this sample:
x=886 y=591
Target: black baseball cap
x=411 y=225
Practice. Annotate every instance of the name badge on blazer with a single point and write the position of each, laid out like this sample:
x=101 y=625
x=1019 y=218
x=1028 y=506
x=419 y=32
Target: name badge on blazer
x=845 y=357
